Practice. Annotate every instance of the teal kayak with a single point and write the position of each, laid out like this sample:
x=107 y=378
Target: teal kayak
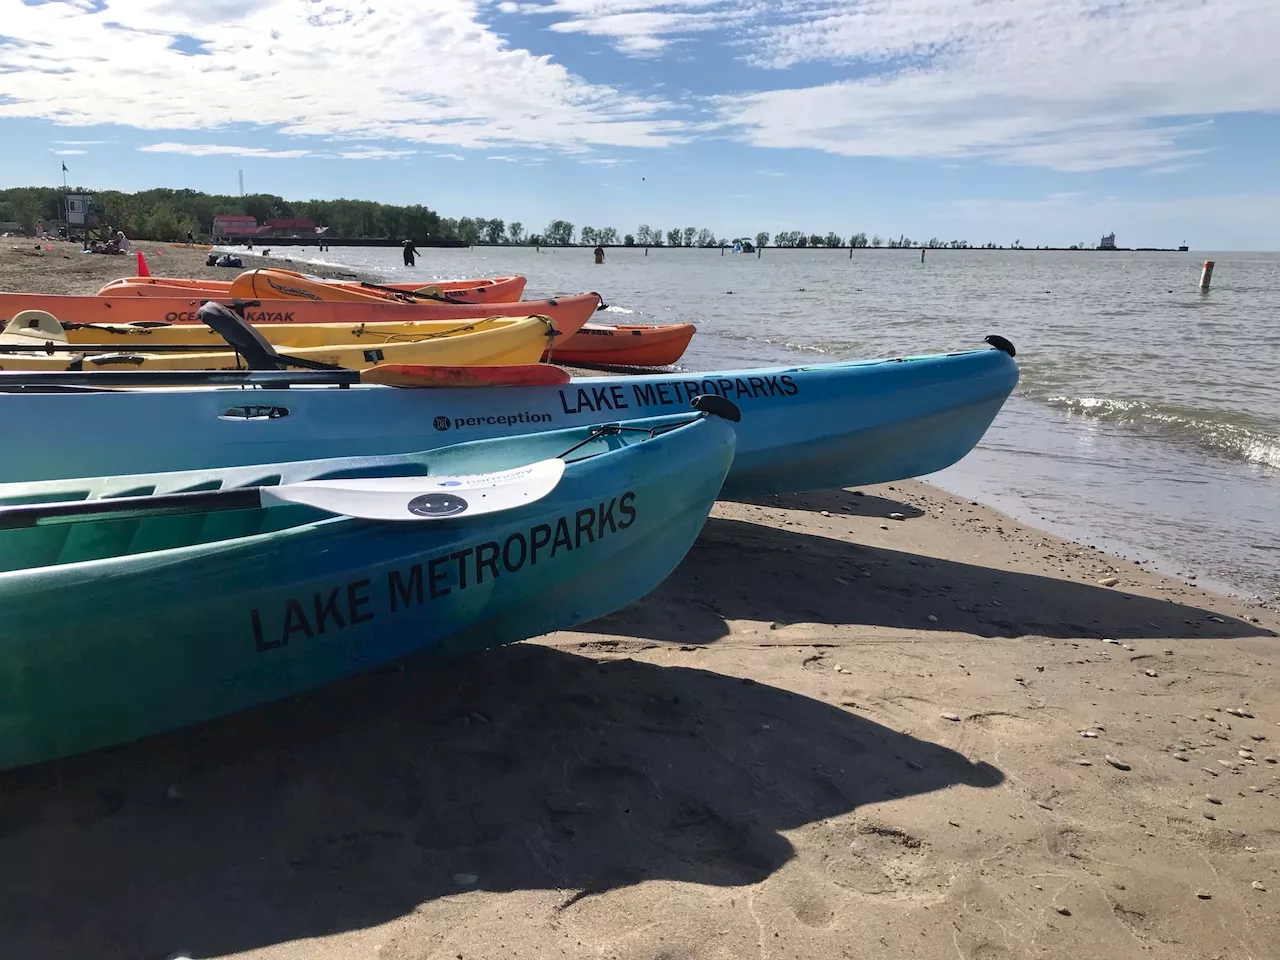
x=804 y=428
x=141 y=621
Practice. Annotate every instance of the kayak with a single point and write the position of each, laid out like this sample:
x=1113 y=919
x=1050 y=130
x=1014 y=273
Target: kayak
x=287 y=335
x=204 y=593
x=496 y=290
x=807 y=428
x=592 y=344
x=625 y=345
x=517 y=342
x=568 y=313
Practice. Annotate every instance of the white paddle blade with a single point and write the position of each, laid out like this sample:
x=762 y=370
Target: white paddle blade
x=415 y=499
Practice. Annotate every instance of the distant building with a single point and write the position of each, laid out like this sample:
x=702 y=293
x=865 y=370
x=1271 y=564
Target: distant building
x=227 y=226
x=287 y=227
x=1108 y=242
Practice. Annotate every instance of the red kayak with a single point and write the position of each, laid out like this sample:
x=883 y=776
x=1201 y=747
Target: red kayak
x=625 y=345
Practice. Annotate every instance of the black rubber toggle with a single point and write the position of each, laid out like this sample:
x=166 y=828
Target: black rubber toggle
x=720 y=406
x=1000 y=343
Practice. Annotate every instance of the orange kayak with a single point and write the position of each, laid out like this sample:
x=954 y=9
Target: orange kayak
x=496 y=290
x=624 y=345
x=568 y=313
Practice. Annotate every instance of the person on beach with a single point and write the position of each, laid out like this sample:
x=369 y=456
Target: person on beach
x=410 y=251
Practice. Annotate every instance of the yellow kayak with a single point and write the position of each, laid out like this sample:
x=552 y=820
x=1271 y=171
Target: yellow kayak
x=517 y=341
x=287 y=335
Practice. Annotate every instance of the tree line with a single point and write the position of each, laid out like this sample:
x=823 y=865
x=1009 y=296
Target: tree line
x=164 y=214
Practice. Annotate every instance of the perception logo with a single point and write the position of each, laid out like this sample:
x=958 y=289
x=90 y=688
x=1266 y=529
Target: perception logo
x=441 y=423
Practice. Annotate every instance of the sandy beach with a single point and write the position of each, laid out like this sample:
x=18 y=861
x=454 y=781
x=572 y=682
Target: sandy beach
x=884 y=722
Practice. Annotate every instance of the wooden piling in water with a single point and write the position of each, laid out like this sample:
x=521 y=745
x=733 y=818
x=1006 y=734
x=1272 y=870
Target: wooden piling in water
x=1206 y=275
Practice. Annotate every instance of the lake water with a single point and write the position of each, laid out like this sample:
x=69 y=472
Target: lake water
x=1147 y=419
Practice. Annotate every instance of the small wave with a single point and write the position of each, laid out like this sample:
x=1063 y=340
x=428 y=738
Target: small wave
x=776 y=342
x=616 y=309
x=1231 y=440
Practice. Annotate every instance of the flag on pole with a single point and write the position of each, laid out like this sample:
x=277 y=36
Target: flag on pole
x=64 y=166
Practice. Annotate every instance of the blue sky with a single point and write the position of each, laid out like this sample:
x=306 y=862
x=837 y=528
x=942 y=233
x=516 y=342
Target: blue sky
x=1045 y=121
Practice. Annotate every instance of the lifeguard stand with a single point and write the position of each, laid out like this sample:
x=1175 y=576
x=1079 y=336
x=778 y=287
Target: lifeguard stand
x=78 y=205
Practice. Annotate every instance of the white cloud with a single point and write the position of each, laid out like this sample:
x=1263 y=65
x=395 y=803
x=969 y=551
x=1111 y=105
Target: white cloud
x=1075 y=85
x=637 y=27
x=74 y=64
x=222 y=150
x=80 y=143
x=70 y=153
x=375 y=153
x=450 y=156
x=505 y=159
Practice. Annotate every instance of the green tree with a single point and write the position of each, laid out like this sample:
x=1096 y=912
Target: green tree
x=673 y=238
x=468 y=231
x=706 y=238
x=655 y=238
x=762 y=238
x=494 y=231
x=876 y=241
x=589 y=236
x=608 y=236
x=833 y=241
x=559 y=233
x=689 y=234
x=628 y=241
x=515 y=231
x=801 y=240
x=644 y=235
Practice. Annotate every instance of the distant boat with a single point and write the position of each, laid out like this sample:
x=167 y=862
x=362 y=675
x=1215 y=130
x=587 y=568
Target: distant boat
x=1183 y=249
x=743 y=246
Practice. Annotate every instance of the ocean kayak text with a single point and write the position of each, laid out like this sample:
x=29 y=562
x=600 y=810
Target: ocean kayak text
x=673 y=392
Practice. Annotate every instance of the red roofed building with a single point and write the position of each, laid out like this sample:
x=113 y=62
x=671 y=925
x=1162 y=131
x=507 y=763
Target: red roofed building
x=287 y=227
x=227 y=225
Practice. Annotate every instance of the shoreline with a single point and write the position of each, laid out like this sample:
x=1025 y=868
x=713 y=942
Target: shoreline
x=949 y=734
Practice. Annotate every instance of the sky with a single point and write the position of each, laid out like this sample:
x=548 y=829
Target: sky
x=1041 y=121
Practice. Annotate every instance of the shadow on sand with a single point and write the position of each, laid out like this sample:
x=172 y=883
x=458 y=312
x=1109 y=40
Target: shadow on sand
x=742 y=570
x=838 y=502
x=528 y=767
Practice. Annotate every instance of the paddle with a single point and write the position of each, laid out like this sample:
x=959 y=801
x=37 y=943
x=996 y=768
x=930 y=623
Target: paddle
x=391 y=499
x=437 y=297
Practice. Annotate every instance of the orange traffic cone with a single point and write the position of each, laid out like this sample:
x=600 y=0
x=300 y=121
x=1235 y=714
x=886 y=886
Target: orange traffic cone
x=142 y=266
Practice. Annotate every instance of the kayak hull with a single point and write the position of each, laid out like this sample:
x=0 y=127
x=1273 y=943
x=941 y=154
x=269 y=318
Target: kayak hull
x=627 y=345
x=496 y=290
x=517 y=343
x=287 y=335
x=101 y=651
x=568 y=313
x=803 y=428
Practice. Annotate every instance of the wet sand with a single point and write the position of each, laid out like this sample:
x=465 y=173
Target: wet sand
x=829 y=734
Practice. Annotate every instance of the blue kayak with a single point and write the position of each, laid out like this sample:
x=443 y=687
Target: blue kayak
x=157 y=615
x=805 y=428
